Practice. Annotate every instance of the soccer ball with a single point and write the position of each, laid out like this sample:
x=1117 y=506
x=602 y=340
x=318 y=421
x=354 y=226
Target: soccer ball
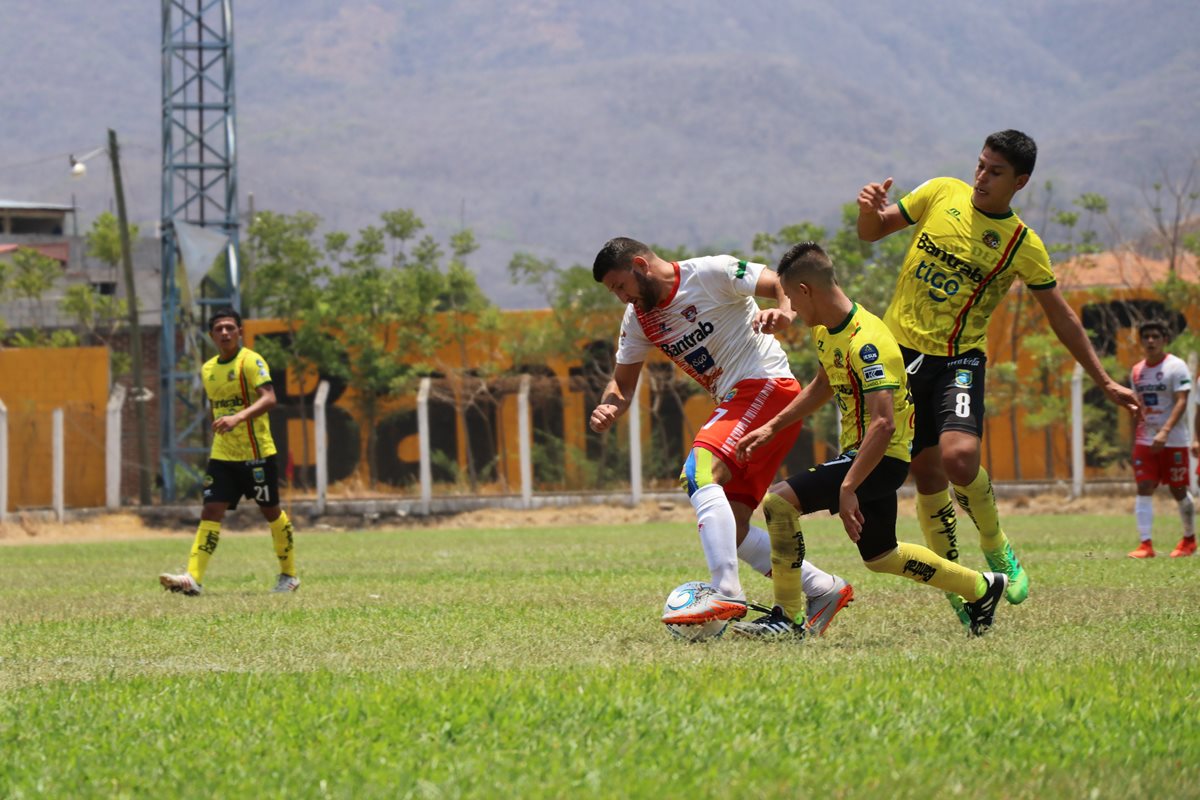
x=687 y=595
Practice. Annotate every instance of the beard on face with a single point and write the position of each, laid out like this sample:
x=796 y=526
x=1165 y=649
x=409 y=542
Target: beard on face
x=648 y=291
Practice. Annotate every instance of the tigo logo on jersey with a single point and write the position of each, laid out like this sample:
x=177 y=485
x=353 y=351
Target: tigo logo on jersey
x=869 y=354
x=963 y=378
x=991 y=239
x=689 y=313
x=873 y=373
x=700 y=360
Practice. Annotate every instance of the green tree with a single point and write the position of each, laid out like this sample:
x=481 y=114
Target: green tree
x=31 y=277
x=288 y=283
x=384 y=304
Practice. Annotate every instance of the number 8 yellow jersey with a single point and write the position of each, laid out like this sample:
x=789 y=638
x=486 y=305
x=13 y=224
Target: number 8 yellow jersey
x=958 y=268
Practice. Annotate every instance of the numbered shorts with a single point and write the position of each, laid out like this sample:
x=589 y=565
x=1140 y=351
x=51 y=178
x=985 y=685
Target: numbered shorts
x=819 y=488
x=947 y=393
x=1169 y=465
x=747 y=406
x=230 y=481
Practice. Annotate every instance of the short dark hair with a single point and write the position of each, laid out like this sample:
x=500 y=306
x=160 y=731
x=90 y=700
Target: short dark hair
x=617 y=254
x=224 y=312
x=1017 y=148
x=808 y=262
x=1154 y=325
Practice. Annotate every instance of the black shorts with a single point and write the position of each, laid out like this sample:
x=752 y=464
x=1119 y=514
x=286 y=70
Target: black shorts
x=230 y=481
x=819 y=488
x=947 y=392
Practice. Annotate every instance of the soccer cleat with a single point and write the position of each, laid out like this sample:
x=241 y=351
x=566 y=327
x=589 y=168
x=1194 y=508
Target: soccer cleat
x=708 y=605
x=823 y=608
x=1186 y=547
x=183 y=584
x=1018 y=581
x=960 y=610
x=1144 y=550
x=982 y=612
x=773 y=625
x=286 y=583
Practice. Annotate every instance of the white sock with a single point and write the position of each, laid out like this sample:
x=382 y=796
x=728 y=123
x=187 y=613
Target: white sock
x=1187 y=514
x=755 y=550
x=718 y=537
x=816 y=580
x=1143 y=512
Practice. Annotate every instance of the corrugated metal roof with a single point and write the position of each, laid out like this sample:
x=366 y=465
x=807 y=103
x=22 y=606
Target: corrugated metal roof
x=22 y=205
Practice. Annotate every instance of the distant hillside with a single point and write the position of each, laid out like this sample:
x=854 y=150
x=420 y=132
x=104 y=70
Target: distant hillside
x=549 y=126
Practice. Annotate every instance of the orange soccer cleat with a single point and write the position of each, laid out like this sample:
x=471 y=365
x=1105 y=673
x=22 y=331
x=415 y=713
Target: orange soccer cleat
x=1186 y=547
x=1144 y=550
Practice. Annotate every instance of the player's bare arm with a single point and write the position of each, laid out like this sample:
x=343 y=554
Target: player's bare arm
x=1069 y=330
x=265 y=402
x=616 y=398
x=772 y=320
x=812 y=397
x=1177 y=411
x=876 y=217
x=870 y=453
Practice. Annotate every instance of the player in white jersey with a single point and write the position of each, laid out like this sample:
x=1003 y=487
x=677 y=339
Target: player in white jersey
x=1160 y=440
x=701 y=314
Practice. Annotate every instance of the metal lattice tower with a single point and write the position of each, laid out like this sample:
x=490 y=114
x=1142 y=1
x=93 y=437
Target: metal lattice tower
x=199 y=187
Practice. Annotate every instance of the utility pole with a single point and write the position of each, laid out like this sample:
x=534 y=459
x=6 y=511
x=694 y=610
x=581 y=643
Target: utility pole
x=135 y=328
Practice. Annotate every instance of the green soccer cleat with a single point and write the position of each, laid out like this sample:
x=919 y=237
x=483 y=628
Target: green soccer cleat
x=1018 y=581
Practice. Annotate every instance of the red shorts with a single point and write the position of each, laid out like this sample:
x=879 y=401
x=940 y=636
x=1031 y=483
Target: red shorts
x=749 y=405
x=1169 y=465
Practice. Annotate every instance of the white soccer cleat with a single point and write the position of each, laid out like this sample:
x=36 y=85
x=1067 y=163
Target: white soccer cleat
x=823 y=608
x=705 y=605
x=286 y=583
x=182 y=584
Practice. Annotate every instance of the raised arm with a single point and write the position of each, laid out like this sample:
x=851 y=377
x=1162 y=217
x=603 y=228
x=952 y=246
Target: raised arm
x=772 y=320
x=876 y=217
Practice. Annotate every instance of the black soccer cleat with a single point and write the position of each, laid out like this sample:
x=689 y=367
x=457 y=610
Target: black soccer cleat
x=982 y=612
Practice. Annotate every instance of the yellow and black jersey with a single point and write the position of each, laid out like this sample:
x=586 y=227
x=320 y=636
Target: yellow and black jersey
x=958 y=268
x=860 y=356
x=231 y=386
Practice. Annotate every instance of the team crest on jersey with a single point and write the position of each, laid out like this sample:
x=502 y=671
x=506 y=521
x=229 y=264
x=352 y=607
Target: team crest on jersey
x=208 y=481
x=690 y=313
x=837 y=359
x=963 y=378
x=260 y=475
x=991 y=239
x=732 y=393
x=869 y=354
x=232 y=375
x=1178 y=456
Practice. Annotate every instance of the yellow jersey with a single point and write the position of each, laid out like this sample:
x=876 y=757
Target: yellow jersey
x=861 y=356
x=958 y=268
x=231 y=386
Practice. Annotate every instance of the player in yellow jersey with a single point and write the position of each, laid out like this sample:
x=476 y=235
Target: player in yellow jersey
x=861 y=367
x=967 y=249
x=242 y=460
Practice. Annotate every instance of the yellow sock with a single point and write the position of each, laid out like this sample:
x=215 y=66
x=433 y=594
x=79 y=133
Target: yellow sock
x=281 y=534
x=922 y=565
x=787 y=554
x=979 y=501
x=207 y=536
x=939 y=523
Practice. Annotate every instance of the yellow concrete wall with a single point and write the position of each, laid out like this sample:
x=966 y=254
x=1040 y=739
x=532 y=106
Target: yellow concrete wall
x=34 y=382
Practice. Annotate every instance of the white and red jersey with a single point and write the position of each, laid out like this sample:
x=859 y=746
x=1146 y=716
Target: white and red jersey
x=1156 y=385
x=704 y=326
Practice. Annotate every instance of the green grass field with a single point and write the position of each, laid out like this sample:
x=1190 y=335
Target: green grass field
x=531 y=663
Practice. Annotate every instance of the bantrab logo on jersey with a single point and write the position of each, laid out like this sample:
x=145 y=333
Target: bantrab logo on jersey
x=700 y=360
